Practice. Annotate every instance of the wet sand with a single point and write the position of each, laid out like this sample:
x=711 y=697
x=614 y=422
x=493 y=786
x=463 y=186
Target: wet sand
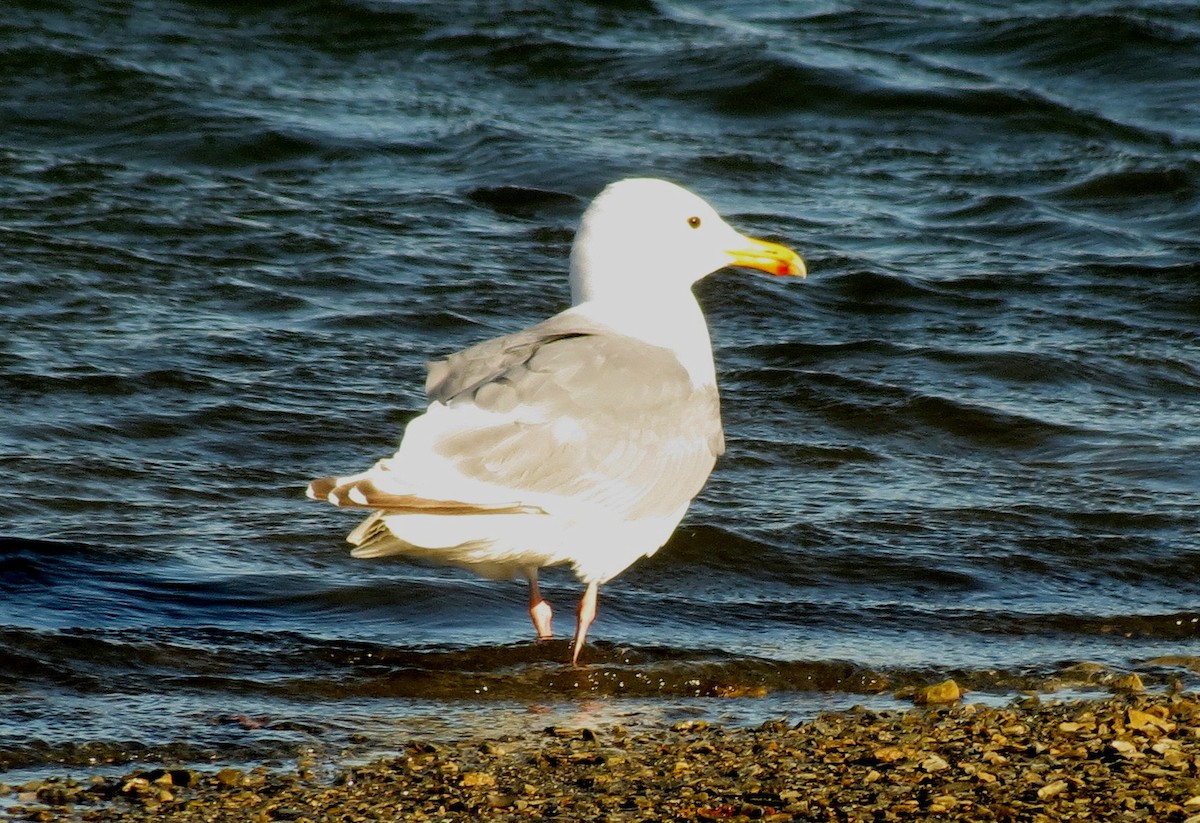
x=1126 y=757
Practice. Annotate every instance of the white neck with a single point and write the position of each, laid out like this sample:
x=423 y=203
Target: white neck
x=677 y=325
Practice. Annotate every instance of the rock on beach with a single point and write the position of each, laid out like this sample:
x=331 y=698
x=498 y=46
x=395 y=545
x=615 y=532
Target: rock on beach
x=1134 y=756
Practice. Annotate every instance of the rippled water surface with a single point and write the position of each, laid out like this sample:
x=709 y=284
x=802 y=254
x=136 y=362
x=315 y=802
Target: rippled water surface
x=231 y=234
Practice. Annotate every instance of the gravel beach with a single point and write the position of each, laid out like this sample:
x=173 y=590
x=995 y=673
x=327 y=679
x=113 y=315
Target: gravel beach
x=1126 y=757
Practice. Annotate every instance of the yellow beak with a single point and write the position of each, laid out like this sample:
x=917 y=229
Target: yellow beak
x=769 y=257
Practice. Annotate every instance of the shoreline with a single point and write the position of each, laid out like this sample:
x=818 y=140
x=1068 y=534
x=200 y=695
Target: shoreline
x=1126 y=757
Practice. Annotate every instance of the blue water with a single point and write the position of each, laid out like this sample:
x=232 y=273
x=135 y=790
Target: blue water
x=232 y=234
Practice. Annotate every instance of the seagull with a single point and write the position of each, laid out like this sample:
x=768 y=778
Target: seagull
x=581 y=440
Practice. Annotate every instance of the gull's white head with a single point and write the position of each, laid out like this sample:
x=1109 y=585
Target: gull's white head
x=645 y=235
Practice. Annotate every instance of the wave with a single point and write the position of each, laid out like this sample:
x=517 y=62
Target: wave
x=1120 y=47
x=298 y=668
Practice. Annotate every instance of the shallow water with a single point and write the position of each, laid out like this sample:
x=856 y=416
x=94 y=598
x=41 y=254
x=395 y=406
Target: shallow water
x=232 y=235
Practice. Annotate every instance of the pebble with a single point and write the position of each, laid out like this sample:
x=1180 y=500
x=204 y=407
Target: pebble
x=934 y=763
x=1131 y=682
x=1134 y=756
x=945 y=692
x=475 y=779
x=1052 y=789
x=230 y=778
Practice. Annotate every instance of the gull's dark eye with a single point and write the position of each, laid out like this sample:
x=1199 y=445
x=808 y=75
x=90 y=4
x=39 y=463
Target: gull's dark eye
x=694 y=222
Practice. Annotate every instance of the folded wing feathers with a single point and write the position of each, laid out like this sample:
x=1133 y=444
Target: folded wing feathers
x=543 y=365
x=363 y=493
x=482 y=363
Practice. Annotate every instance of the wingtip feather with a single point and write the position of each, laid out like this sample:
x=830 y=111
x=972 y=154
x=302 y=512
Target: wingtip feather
x=320 y=488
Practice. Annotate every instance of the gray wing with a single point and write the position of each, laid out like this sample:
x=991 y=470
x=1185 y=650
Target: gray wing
x=471 y=368
x=615 y=421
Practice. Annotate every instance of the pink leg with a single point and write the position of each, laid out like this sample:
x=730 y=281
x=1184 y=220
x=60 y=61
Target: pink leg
x=539 y=610
x=584 y=617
